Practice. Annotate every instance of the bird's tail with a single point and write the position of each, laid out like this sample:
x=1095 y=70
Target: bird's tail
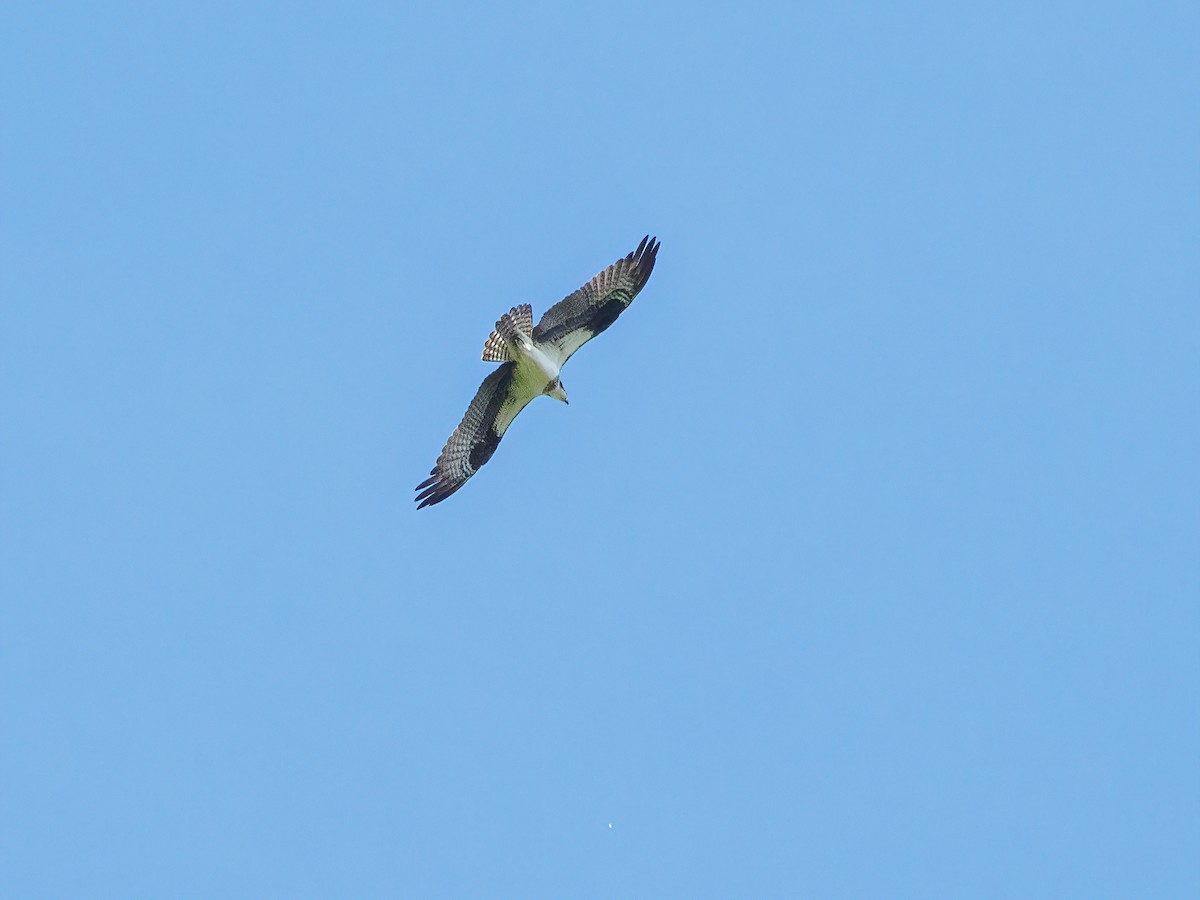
x=514 y=327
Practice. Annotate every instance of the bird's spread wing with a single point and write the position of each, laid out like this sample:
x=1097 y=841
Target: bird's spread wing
x=496 y=404
x=572 y=322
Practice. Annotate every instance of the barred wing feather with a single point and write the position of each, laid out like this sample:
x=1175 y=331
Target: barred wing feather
x=575 y=320
x=475 y=439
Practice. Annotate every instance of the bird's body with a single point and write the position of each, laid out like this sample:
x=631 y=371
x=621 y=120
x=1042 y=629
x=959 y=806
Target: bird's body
x=531 y=360
x=535 y=370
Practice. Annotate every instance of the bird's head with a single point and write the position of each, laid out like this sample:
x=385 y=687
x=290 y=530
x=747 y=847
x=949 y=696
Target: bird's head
x=555 y=389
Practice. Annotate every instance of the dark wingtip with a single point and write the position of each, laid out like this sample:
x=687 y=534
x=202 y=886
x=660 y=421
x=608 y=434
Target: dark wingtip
x=430 y=489
x=430 y=496
x=643 y=258
x=436 y=494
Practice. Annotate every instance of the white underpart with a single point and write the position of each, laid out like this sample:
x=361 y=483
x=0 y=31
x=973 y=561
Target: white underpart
x=534 y=370
x=533 y=357
x=566 y=345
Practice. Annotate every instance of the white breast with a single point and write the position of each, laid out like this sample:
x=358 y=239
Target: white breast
x=540 y=360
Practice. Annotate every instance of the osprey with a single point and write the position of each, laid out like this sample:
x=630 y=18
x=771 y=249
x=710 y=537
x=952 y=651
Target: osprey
x=531 y=359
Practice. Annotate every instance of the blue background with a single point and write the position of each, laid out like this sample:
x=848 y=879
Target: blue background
x=863 y=563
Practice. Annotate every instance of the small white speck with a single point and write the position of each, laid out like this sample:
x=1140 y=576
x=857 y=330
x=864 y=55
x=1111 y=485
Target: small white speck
x=610 y=824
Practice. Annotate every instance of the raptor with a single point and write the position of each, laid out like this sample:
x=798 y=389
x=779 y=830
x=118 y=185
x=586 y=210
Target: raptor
x=531 y=359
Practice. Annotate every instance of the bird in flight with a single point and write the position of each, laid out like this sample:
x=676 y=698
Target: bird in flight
x=530 y=361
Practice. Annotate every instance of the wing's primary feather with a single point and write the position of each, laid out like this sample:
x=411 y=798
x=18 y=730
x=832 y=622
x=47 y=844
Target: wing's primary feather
x=575 y=320
x=476 y=437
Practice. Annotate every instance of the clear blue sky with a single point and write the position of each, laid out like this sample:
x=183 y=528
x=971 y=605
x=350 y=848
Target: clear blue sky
x=862 y=564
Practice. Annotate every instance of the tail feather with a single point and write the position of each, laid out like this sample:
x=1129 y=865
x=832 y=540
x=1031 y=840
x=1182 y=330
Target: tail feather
x=495 y=350
x=514 y=327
